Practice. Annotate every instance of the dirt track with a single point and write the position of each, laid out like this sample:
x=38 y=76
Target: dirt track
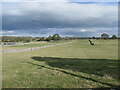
x=30 y=49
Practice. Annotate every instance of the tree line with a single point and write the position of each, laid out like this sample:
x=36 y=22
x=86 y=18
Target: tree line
x=15 y=39
x=54 y=37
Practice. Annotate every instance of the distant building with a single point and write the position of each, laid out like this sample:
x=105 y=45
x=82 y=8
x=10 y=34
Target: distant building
x=104 y=36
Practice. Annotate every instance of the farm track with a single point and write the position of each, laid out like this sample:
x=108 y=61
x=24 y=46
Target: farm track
x=31 y=49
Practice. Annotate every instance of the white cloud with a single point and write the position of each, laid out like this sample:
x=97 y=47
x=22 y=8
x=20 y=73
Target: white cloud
x=83 y=30
x=7 y=32
x=71 y=11
x=15 y=12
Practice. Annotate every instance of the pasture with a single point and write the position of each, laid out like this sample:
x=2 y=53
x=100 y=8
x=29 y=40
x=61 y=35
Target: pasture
x=74 y=65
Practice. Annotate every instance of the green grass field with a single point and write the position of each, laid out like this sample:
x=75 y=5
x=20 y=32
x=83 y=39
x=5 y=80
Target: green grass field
x=73 y=65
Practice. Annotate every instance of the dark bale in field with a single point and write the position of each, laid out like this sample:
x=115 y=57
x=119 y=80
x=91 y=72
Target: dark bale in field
x=91 y=42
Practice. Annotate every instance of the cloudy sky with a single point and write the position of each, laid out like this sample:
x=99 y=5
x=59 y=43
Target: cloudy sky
x=67 y=18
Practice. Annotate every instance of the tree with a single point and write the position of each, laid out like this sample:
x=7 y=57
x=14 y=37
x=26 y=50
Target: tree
x=56 y=37
x=49 y=38
x=104 y=36
x=114 y=37
x=93 y=37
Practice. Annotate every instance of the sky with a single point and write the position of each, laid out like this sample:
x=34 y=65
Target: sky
x=64 y=17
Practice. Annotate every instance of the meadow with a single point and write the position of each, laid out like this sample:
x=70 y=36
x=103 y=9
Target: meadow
x=73 y=65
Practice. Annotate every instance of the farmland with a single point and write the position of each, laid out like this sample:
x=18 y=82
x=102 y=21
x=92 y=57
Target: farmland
x=74 y=65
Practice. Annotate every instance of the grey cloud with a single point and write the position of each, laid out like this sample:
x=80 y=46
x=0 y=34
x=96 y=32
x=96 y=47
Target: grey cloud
x=38 y=17
x=78 y=32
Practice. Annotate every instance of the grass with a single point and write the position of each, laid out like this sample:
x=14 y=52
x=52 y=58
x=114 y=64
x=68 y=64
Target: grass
x=73 y=65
